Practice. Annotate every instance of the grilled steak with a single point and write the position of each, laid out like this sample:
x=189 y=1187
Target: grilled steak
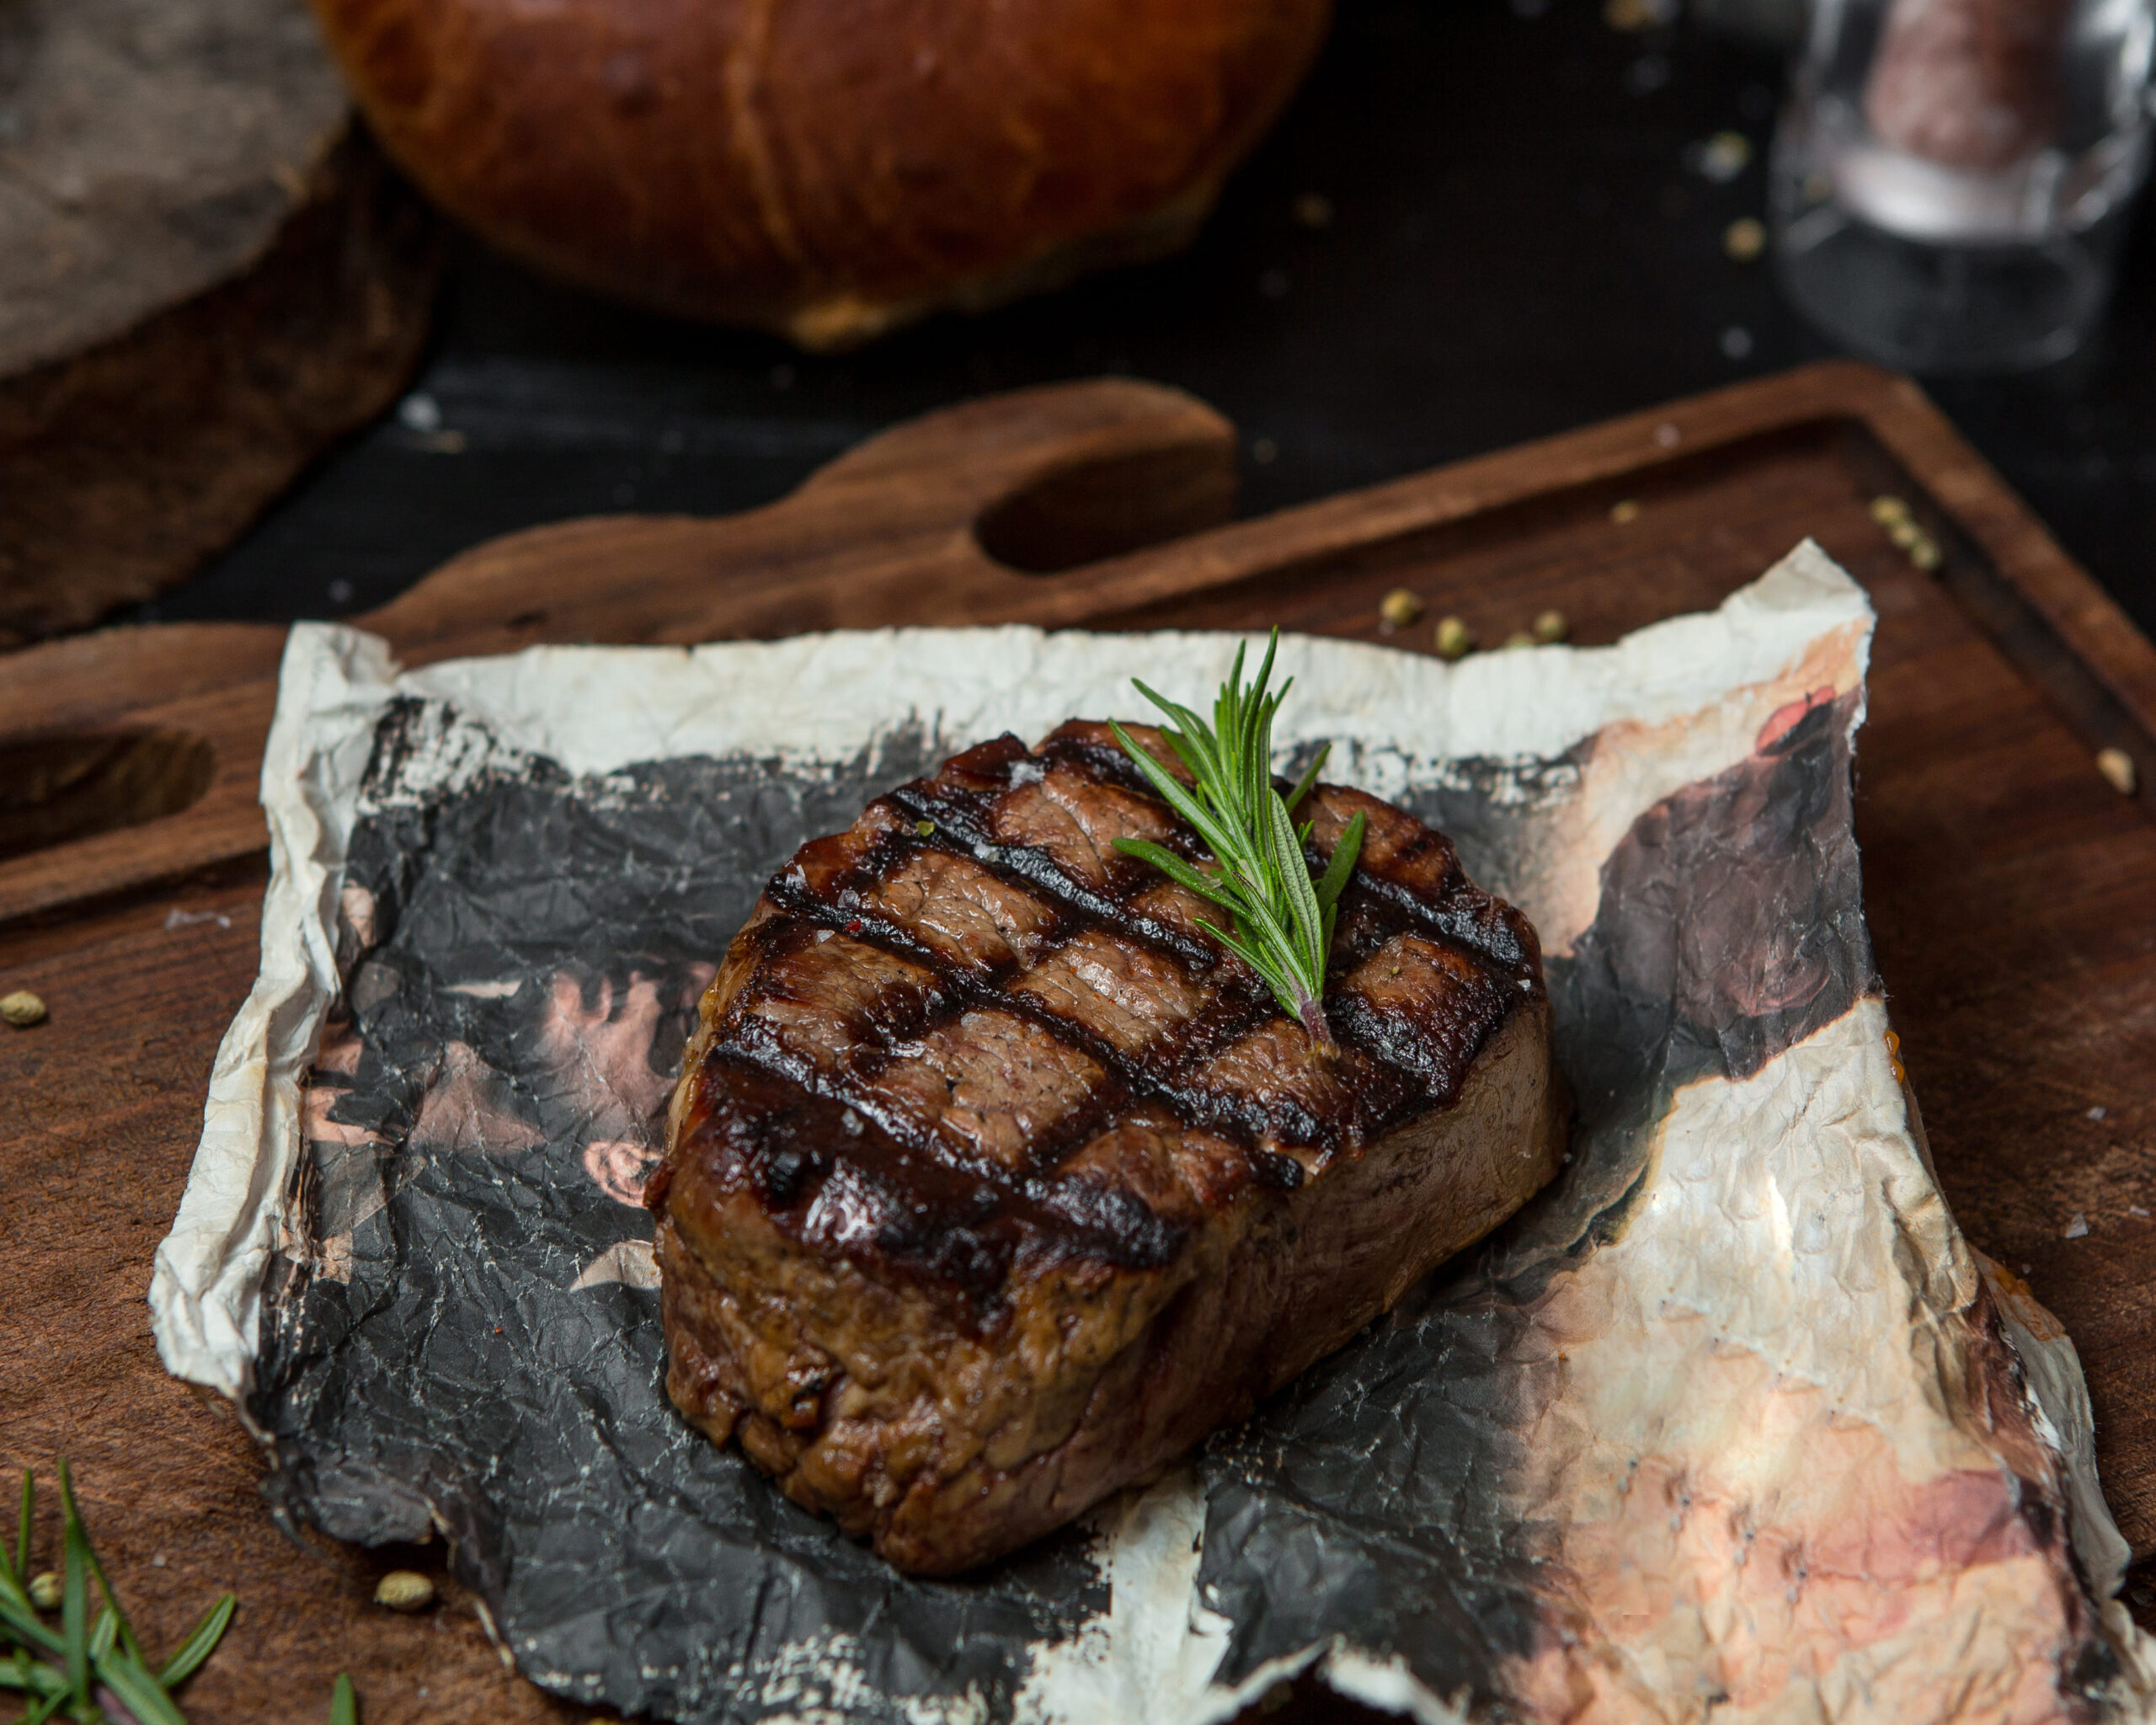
x=993 y=1182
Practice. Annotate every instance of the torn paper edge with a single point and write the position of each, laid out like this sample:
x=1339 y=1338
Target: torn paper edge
x=799 y=700
x=205 y=1291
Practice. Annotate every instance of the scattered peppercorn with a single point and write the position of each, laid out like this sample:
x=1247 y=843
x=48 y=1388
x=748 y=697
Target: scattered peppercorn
x=1453 y=641
x=1399 y=608
x=23 y=1009
x=1887 y=508
x=404 y=1590
x=1923 y=552
x=1549 y=627
x=1624 y=514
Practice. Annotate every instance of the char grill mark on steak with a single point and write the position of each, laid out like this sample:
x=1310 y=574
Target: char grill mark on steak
x=996 y=802
x=961 y=912
x=1015 y=1039
x=1090 y=746
x=1114 y=989
x=1075 y=820
x=819 y=1002
x=1176 y=1172
x=1414 y=871
x=835 y=1178
x=993 y=1084
x=1414 y=1001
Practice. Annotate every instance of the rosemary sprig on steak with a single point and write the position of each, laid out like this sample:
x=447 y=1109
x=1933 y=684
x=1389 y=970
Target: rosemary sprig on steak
x=1282 y=921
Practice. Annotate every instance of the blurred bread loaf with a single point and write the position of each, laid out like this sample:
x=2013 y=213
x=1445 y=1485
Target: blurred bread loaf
x=826 y=169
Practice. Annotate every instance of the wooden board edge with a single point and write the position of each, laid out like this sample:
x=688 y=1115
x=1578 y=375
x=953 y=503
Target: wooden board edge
x=2091 y=625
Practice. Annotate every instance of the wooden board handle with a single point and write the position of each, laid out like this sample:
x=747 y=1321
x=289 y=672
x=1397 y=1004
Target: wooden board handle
x=977 y=498
x=133 y=754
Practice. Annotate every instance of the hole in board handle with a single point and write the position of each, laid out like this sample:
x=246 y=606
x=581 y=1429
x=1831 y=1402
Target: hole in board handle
x=54 y=790
x=1080 y=514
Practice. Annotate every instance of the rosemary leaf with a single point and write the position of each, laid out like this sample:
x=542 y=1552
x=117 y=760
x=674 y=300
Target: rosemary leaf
x=19 y=1621
x=22 y=1676
x=1342 y=866
x=1282 y=921
x=104 y=1582
x=75 y=1606
x=47 y=1708
x=138 y=1691
x=1303 y=786
x=1181 y=872
x=199 y=1646
x=84 y=1667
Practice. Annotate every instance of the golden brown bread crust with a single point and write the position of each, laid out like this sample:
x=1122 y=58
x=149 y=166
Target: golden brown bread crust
x=826 y=169
x=993 y=1183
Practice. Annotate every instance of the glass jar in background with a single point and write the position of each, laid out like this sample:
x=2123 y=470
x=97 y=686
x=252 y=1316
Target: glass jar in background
x=1951 y=177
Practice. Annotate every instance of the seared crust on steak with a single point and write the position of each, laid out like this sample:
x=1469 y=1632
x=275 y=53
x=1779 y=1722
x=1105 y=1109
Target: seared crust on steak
x=993 y=1182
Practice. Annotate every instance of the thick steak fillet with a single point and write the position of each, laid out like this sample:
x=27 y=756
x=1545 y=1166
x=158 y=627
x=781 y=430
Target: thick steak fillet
x=993 y=1183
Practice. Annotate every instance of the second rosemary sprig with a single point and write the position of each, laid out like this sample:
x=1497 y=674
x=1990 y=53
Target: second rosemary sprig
x=84 y=1668
x=1283 y=920
x=71 y=1673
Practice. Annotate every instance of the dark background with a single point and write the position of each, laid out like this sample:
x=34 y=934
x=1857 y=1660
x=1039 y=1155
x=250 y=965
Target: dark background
x=1520 y=242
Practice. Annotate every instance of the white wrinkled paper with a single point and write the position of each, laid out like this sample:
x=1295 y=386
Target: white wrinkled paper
x=1748 y=1428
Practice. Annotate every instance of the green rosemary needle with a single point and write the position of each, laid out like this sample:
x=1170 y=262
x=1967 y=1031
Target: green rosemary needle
x=1282 y=921
x=76 y=1670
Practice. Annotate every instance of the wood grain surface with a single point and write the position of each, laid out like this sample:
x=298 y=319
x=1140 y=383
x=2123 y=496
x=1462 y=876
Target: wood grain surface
x=2011 y=891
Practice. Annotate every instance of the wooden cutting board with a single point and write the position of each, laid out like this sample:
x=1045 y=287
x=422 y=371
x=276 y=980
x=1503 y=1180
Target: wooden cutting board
x=2011 y=889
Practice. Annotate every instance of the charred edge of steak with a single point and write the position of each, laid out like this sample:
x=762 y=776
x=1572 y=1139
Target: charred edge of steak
x=816 y=1101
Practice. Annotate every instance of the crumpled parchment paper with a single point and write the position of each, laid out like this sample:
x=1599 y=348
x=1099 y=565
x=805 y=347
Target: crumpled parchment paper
x=1730 y=1421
